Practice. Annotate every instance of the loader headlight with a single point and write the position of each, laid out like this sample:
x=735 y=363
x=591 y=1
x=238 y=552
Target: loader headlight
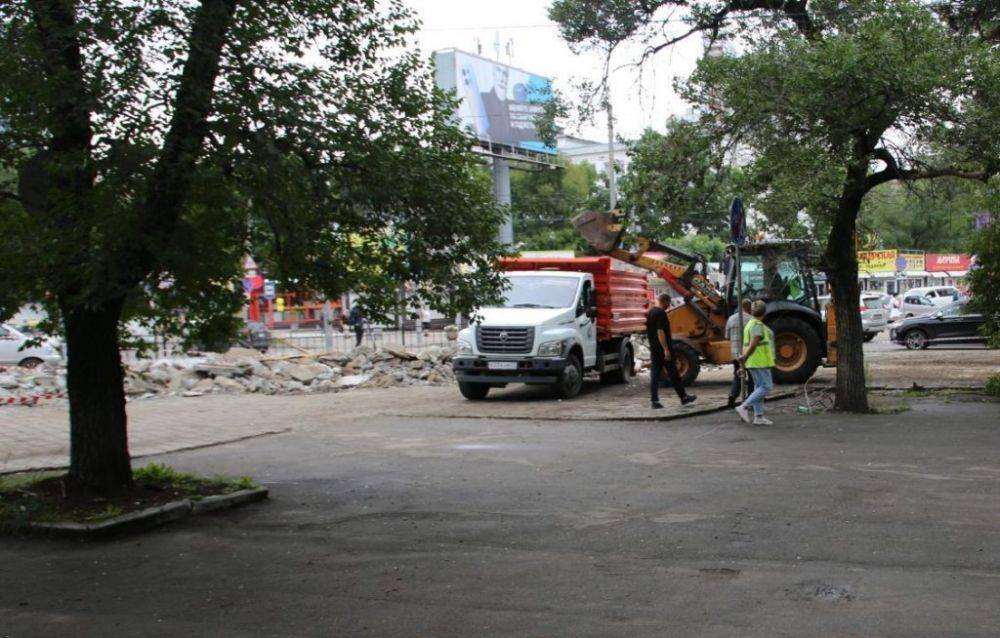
x=550 y=349
x=464 y=347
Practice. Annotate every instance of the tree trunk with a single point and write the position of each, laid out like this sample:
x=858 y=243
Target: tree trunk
x=842 y=264
x=99 y=458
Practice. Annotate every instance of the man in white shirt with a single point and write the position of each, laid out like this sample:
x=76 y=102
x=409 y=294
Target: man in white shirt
x=734 y=332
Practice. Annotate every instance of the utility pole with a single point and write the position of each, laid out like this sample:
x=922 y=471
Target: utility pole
x=612 y=182
x=501 y=190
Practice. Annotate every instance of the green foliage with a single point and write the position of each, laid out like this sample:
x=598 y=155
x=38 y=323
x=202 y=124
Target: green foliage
x=936 y=216
x=544 y=203
x=712 y=248
x=679 y=180
x=984 y=280
x=993 y=385
x=159 y=476
x=326 y=151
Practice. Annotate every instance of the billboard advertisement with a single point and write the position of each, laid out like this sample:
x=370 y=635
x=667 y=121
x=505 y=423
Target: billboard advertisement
x=910 y=262
x=939 y=262
x=498 y=103
x=870 y=261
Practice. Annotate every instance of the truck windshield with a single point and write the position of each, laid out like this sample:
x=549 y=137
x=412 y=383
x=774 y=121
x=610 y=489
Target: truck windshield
x=540 y=292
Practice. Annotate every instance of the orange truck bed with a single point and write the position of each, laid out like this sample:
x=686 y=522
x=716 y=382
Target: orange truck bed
x=622 y=295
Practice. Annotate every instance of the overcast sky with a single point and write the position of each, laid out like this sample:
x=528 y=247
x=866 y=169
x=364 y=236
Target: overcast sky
x=639 y=100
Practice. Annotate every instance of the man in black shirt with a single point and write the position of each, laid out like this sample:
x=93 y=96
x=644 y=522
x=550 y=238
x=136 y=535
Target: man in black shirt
x=661 y=353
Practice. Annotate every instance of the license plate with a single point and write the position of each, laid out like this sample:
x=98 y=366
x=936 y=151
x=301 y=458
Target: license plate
x=501 y=365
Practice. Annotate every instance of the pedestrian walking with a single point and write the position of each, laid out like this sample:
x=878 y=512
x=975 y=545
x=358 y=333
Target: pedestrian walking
x=734 y=332
x=357 y=322
x=661 y=354
x=758 y=359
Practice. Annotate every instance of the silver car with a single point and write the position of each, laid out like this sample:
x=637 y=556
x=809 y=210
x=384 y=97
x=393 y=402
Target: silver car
x=13 y=349
x=916 y=305
x=874 y=317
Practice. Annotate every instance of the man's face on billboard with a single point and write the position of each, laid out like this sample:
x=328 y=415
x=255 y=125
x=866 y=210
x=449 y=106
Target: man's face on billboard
x=500 y=81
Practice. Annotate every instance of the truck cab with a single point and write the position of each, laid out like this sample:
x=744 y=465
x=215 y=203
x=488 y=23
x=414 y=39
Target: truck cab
x=544 y=332
x=552 y=327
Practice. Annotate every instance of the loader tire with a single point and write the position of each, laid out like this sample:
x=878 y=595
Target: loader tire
x=797 y=350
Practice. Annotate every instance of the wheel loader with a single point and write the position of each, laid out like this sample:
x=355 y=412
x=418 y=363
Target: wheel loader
x=777 y=272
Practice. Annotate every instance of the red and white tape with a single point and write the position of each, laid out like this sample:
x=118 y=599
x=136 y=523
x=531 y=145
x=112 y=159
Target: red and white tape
x=31 y=399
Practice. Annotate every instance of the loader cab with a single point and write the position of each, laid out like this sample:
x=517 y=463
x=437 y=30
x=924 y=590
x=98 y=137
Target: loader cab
x=780 y=273
x=774 y=272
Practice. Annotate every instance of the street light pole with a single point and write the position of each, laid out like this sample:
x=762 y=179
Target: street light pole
x=612 y=183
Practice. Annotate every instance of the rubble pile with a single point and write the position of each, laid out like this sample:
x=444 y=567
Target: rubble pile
x=244 y=370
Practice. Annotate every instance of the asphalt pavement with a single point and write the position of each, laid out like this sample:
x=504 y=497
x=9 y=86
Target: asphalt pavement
x=824 y=525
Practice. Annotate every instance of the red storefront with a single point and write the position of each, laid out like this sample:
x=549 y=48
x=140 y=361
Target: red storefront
x=948 y=268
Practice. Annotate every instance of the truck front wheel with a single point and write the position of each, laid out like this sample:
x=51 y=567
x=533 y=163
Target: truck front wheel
x=473 y=391
x=797 y=350
x=570 y=380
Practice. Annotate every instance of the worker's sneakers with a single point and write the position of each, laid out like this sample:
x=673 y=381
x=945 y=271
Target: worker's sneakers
x=731 y=403
x=744 y=414
x=656 y=405
x=688 y=398
x=762 y=420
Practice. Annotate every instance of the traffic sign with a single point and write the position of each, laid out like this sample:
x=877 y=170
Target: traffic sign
x=269 y=290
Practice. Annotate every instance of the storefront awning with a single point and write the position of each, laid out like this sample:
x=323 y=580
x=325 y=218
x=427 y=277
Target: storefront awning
x=917 y=273
x=957 y=273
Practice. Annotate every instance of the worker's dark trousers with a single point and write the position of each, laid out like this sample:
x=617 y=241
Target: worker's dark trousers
x=359 y=334
x=734 y=391
x=656 y=366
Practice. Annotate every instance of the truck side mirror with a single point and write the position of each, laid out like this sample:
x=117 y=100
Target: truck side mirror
x=592 y=312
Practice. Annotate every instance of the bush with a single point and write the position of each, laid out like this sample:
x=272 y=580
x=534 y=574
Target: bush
x=993 y=385
x=984 y=281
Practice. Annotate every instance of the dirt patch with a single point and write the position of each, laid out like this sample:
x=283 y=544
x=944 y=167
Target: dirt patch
x=44 y=498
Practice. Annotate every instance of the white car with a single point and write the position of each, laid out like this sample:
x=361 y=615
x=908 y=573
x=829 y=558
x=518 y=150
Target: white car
x=939 y=296
x=14 y=352
x=915 y=305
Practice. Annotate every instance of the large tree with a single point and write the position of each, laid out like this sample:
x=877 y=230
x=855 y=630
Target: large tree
x=545 y=201
x=678 y=181
x=145 y=147
x=831 y=99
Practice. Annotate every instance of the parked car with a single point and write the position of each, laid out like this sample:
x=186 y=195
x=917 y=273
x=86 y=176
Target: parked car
x=874 y=318
x=255 y=334
x=916 y=305
x=951 y=324
x=14 y=351
x=938 y=295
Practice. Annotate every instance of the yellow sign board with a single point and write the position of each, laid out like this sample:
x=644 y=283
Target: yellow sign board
x=915 y=262
x=877 y=261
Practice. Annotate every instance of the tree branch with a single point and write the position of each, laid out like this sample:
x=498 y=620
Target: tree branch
x=892 y=171
x=183 y=142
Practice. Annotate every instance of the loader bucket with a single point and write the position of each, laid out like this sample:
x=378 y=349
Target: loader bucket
x=601 y=229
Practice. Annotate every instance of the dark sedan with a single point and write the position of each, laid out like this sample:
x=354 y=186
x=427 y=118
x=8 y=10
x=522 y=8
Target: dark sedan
x=951 y=324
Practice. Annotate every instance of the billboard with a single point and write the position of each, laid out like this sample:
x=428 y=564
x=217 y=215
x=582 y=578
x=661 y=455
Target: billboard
x=498 y=103
x=870 y=261
x=938 y=262
x=910 y=262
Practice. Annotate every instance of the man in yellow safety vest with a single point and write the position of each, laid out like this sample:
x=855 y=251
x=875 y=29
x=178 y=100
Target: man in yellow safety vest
x=757 y=359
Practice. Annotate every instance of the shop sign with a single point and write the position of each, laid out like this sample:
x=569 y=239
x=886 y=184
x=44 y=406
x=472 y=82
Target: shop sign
x=944 y=262
x=872 y=261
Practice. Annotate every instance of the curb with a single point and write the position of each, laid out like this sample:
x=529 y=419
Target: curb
x=45 y=468
x=668 y=417
x=146 y=519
